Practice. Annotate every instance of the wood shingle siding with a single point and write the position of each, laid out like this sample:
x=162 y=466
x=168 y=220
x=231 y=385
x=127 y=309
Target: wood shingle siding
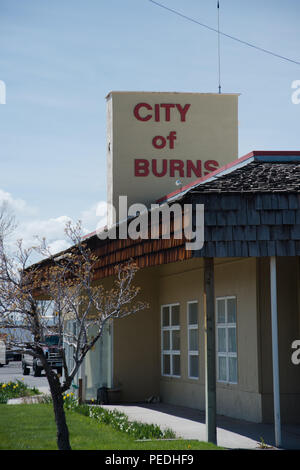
x=261 y=225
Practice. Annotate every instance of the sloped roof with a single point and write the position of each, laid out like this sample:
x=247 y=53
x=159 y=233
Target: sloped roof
x=258 y=171
x=257 y=177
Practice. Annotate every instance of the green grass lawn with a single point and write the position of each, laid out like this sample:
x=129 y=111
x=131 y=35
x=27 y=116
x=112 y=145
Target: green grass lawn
x=32 y=427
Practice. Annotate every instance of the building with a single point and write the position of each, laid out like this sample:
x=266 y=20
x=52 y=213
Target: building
x=251 y=216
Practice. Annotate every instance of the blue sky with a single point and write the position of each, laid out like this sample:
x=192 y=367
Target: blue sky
x=59 y=59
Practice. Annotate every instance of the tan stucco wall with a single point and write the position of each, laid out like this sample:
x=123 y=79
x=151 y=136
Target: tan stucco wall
x=136 y=344
x=182 y=283
x=135 y=347
x=243 y=399
x=137 y=338
x=288 y=331
x=232 y=278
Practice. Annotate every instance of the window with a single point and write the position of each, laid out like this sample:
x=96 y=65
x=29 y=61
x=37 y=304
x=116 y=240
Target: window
x=226 y=339
x=193 y=339
x=170 y=340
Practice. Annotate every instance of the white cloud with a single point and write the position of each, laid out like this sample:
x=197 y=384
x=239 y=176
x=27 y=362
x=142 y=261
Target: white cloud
x=52 y=229
x=95 y=216
x=18 y=206
x=30 y=226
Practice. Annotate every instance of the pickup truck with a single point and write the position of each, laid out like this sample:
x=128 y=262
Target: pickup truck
x=53 y=354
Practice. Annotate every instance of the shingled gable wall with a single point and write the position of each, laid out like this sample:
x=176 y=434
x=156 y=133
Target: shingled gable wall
x=250 y=224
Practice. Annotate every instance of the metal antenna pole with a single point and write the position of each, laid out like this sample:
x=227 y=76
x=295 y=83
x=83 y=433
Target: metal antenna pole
x=219 y=54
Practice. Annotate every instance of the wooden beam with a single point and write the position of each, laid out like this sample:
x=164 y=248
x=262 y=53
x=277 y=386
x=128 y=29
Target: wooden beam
x=210 y=351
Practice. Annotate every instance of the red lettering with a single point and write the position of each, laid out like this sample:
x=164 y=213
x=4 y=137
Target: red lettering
x=176 y=165
x=141 y=114
x=171 y=137
x=210 y=165
x=141 y=167
x=183 y=111
x=136 y=111
x=167 y=107
x=177 y=168
x=157 y=114
x=159 y=142
x=196 y=169
x=164 y=168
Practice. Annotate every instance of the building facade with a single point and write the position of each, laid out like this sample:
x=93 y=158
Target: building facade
x=252 y=214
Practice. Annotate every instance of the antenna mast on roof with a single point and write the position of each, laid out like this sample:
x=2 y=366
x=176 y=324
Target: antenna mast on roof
x=219 y=54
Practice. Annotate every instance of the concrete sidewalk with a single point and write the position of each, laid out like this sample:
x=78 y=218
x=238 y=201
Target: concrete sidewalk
x=190 y=424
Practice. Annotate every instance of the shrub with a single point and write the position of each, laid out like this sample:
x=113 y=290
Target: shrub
x=15 y=390
x=120 y=422
x=70 y=402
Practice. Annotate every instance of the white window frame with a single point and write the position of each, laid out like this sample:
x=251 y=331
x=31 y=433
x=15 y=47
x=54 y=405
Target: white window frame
x=171 y=352
x=192 y=327
x=226 y=354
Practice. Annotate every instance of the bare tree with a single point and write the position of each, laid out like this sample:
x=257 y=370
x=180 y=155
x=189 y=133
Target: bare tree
x=67 y=282
x=7 y=221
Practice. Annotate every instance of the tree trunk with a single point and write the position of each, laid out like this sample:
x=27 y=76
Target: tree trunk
x=63 y=442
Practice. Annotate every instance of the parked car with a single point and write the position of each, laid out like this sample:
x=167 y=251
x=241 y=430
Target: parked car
x=2 y=354
x=53 y=352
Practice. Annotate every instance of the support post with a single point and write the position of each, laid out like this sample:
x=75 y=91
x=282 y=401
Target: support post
x=210 y=351
x=275 y=357
x=82 y=376
x=80 y=401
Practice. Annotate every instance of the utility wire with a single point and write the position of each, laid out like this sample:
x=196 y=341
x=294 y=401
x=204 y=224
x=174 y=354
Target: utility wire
x=224 y=34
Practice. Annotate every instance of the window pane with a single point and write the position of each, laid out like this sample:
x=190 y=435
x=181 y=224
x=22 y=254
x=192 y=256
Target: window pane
x=166 y=317
x=166 y=340
x=231 y=310
x=166 y=364
x=176 y=364
x=175 y=315
x=193 y=314
x=221 y=339
x=222 y=368
x=232 y=369
x=176 y=340
x=194 y=366
x=221 y=310
x=193 y=339
x=232 y=339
